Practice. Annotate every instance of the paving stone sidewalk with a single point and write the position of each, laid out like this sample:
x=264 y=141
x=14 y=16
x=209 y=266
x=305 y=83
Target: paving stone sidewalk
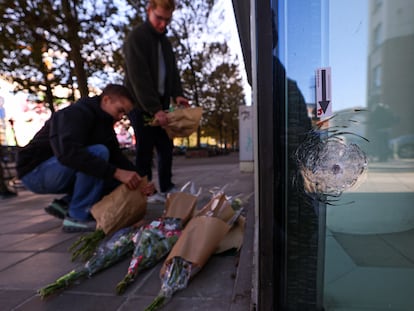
x=34 y=252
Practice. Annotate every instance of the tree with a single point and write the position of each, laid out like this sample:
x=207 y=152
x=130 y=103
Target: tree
x=189 y=25
x=70 y=43
x=223 y=93
x=202 y=62
x=77 y=44
x=220 y=90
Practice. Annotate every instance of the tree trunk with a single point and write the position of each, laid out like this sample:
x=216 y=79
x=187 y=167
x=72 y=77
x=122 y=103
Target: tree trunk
x=49 y=97
x=75 y=47
x=79 y=68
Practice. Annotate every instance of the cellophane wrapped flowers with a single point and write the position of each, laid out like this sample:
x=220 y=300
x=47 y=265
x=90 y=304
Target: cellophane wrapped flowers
x=109 y=252
x=175 y=278
x=154 y=241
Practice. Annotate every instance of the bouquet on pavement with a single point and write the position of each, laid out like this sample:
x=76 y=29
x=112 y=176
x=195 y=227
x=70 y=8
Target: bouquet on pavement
x=110 y=251
x=182 y=122
x=155 y=240
x=200 y=239
x=119 y=209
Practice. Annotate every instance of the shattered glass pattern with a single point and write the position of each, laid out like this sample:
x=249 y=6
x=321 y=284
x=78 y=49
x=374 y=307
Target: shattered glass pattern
x=329 y=166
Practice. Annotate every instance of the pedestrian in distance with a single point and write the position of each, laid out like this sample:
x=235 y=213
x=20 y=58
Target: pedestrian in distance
x=153 y=79
x=76 y=153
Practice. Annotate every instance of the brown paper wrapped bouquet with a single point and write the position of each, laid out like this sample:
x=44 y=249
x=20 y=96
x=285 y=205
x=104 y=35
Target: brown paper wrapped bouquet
x=200 y=239
x=155 y=240
x=182 y=122
x=119 y=209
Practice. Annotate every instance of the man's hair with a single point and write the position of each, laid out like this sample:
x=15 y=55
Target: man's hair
x=117 y=90
x=165 y=4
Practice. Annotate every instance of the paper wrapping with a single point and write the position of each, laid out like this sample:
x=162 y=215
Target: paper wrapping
x=233 y=238
x=183 y=122
x=180 y=205
x=219 y=207
x=199 y=240
x=208 y=233
x=121 y=208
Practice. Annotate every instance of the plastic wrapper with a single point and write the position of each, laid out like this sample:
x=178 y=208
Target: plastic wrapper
x=153 y=243
x=155 y=240
x=109 y=252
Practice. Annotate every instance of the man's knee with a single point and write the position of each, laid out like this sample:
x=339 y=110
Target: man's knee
x=100 y=151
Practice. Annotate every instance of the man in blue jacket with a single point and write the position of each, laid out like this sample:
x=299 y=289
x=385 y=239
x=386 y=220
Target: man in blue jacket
x=77 y=153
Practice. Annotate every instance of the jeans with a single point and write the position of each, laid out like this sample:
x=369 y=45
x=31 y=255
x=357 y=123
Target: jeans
x=51 y=177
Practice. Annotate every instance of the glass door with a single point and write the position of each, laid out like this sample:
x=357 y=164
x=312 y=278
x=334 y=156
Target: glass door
x=335 y=216
x=349 y=240
x=369 y=263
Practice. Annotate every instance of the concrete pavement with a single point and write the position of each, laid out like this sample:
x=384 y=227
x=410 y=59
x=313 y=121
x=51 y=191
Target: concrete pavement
x=34 y=252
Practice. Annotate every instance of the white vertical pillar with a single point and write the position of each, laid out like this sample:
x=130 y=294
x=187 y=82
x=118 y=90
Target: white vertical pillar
x=246 y=138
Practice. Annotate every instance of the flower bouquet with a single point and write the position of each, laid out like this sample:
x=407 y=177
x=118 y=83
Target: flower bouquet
x=110 y=251
x=182 y=122
x=154 y=241
x=200 y=239
x=119 y=209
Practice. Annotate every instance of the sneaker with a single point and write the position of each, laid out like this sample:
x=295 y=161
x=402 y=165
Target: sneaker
x=57 y=208
x=73 y=225
x=173 y=189
x=156 y=198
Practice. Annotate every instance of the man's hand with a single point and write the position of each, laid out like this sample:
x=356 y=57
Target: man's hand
x=130 y=178
x=182 y=101
x=161 y=118
x=149 y=189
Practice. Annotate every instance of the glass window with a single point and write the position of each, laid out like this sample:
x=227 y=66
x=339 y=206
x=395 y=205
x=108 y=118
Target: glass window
x=376 y=81
x=350 y=249
x=365 y=242
x=369 y=263
x=377 y=3
x=378 y=36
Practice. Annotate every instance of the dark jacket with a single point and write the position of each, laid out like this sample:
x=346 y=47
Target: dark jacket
x=141 y=62
x=67 y=134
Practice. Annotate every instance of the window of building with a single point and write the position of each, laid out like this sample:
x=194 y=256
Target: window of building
x=377 y=4
x=377 y=36
x=377 y=77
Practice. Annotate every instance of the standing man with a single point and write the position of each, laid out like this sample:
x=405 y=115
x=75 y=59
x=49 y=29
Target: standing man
x=77 y=153
x=153 y=80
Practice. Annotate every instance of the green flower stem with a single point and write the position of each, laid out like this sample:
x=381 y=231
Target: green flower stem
x=109 y=252
x=86 y=245
x=175 y=278
x=126 y=281
x=61 y=283
x=157 y=303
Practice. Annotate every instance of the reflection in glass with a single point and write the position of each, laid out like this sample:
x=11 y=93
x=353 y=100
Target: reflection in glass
x=369 y=253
